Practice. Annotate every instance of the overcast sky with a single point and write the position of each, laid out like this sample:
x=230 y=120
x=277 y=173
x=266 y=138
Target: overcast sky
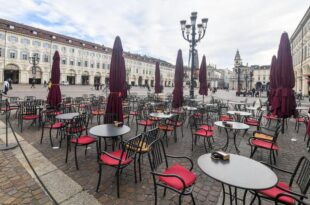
x=152 y=27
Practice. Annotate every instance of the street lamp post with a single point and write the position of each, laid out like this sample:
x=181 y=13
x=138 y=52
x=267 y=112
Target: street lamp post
x=189 y=34
x=34 y=61
x=251 y=77
x=238 y=71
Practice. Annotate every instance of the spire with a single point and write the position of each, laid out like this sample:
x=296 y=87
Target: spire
x=238 y=60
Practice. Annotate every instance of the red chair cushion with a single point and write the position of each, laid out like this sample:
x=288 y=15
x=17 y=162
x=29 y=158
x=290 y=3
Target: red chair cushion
x=264 y=144
x=206 y=127
x=75 y=129
x=97 y=112
x=30 y=117
x=274 y=191
x=106 y=159
x=179 y=123
x=300 y=119
x=56 y=125
x=225 y=118
x=166 y=127
x=146 y=122
x=251 y=121
x=188 y=177
x=270 y=117
x=204 y=133
x=125 y=116
x=134 y=113
x=82 y=105
x=198 y=115
x=84 y=140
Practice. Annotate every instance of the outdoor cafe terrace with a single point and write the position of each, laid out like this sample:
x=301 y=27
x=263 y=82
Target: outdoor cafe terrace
x=144 y=117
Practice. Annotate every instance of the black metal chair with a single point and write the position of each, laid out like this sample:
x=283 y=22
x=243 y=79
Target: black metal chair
x=169 y=125
x=176 y=177
x=282 y=192
x=120 y=159
x=266 y=139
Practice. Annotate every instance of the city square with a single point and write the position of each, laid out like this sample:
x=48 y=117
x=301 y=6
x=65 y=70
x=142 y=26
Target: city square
x=86 y=122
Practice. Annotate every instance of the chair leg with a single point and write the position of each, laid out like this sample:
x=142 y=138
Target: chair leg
x=192 y=196
x=252 y=153
x=180 y=199
x=99 y=179
x=51 y=137
x=205 y=145
x=75 y=157
x=86 y=149
x=139 y=164
x=134 y=168
x=67 y=151
x=42 y=133
x=182 y=131
x=155 y=193
x=165 y=191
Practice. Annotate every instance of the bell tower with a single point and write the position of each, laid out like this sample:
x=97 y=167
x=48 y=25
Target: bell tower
x=238 y=60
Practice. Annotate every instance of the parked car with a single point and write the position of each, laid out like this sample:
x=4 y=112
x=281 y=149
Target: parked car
x=64 y=83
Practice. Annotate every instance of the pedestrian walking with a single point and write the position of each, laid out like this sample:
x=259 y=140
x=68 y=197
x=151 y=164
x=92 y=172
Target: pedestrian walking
x=45 y=84
x=6 y=86
x=10 y=83
x=33 y=82
x=49 y=84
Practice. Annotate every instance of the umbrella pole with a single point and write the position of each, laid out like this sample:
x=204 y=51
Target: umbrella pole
x=283 y=124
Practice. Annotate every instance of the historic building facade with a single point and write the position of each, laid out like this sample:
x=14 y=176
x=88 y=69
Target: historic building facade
x=300 y=46
x=82 y=62
x=249 y=77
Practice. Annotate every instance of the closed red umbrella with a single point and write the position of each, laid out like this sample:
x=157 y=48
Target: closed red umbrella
x=285 y=106
x=117 y=80
x=178 y=82
x=203 y=89
x=54 y=95
x=272 y=80
x=157 y=78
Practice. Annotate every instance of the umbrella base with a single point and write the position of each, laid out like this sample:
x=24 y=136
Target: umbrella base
x=4 y=147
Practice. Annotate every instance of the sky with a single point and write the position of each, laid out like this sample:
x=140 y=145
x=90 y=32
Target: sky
x=152 y=27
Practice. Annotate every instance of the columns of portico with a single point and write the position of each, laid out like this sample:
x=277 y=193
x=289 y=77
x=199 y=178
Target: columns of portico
x=78 y=79
x=305 y=86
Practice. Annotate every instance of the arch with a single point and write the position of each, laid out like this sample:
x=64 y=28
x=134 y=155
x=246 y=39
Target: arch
x=97 y=78
x=140 y=79
x=11 y=71
x=258 y=85
x=85 y=78
x=85 y=73
x=71 y=76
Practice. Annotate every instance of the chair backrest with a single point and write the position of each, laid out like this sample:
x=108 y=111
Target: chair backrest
x=151 y=135
x=28 y=108
x=76 y=124
x=302 y=175
x=157 y=154
x=173 y=121
x=131 y=147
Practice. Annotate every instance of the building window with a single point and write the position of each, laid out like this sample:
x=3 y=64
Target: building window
x=72 y=50
x=24 y=55
x=108 y=66
x=258 y=78
x=1 y=51
x=55 y=47
x=136 y=70
x=46 y=45
x=13 y=54
x=36 y=43
x=71 y=62
x=103 y=66
x=1 y=36
x=98 y=65
x=13 y=39
x=25 y=41
x=86 y=64
x=63 y=61
x=63 y=49
x=79 y=63
x=92 y=65
x=45 y=58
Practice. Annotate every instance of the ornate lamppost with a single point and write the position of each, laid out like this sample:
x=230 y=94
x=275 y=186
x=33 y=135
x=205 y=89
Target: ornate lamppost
x=189 y=34
x=34 y=61
x=251 y=78
x=238 y=72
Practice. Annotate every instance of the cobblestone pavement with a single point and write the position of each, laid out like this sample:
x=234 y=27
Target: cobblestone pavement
x=16 y=185
x=206 y=191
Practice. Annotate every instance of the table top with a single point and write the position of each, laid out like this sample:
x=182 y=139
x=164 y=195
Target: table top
x=302 y=108
x=161 y=115
x=242 y=113
x=252 y=108
x=235 y=125
x=239 y=171
x=109 y=130
x=190 y=108
x=236 y=103
x=67 y=116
